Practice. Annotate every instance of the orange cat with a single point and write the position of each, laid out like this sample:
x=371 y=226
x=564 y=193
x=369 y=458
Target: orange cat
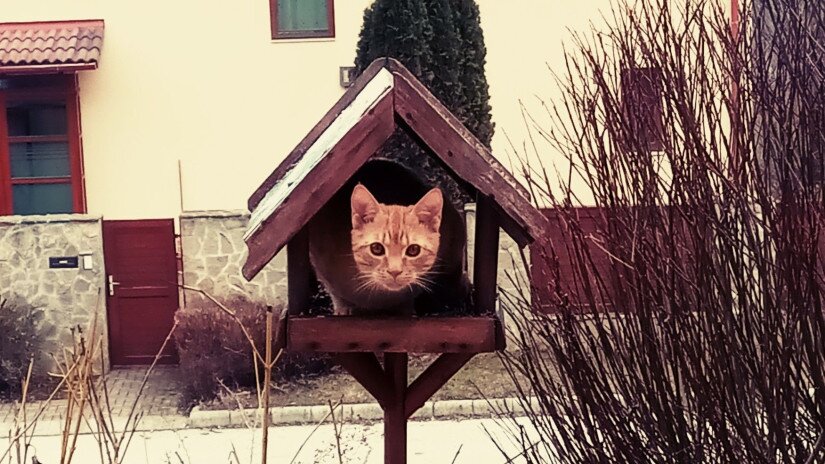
x=375 y=257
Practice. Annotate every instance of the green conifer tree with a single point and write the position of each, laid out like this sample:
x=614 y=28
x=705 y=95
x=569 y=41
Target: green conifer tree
x=475 y=104
x=441 y=42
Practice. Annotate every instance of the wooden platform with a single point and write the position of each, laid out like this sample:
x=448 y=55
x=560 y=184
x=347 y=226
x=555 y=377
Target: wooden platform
x=350 y=334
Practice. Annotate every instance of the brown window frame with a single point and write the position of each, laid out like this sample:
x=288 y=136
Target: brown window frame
x=64 y=89
x=281 y=35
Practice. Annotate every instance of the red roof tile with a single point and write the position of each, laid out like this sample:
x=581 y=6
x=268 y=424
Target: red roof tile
x=50 y=43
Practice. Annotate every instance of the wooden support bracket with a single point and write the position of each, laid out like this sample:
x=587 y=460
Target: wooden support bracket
x=388 y=385
x=433 y=378
x=355 y=342
x=366 y=369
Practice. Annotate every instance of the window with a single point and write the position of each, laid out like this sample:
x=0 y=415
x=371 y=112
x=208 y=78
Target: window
x=40 y=162
x=643 y=108
x=296 y=19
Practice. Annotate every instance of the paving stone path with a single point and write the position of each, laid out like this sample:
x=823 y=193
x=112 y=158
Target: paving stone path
x=160 y=397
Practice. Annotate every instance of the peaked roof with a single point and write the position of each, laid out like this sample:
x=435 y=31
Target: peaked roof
x=384 y=97
x=61 y=44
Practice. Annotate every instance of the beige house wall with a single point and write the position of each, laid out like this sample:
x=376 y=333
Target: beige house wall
x=198 y=84
x=201 y=83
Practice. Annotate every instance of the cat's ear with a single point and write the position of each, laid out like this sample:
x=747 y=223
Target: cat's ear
x=364 y=206
x=429 y=208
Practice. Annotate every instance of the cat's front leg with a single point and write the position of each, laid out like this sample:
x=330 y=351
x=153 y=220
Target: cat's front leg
x=341 y=307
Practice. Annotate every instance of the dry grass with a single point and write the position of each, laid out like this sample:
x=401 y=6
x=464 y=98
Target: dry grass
x=81 y=378
x=484 y=376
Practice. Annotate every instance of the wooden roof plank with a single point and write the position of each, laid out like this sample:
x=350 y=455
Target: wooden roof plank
x=380 y=86
x=467 y=157
x=385 y=96
x=398 y=69
x=295 y=155
x=320 y=183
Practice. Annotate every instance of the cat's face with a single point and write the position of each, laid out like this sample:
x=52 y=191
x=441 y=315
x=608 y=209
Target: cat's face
x=394 y=246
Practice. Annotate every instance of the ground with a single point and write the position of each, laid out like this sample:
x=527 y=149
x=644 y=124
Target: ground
x=459 y=442
x=160 y=397
x=164 y=438
x=483 y=377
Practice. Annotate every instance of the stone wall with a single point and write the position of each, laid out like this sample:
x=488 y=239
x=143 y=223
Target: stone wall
x=214 y=253
x=67 y=297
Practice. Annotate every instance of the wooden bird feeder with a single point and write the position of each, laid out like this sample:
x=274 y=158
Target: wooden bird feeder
x=386 y=97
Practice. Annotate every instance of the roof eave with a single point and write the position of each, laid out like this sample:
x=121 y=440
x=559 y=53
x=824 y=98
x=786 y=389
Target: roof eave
x=295 y=155
x=50 y=68
x=358 y=138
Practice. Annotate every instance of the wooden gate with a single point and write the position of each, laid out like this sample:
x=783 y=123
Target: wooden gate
x=142 y=290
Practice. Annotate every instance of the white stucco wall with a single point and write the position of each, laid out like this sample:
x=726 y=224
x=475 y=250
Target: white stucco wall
x=200 y=82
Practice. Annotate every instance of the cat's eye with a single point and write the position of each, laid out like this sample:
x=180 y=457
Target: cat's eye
x=377 y=249
x=413 y=251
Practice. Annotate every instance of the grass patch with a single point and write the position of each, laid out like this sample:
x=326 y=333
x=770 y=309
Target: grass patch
x=483 y=376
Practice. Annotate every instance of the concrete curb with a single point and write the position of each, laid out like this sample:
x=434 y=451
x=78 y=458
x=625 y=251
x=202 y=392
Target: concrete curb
x=302 y=415
x=362 y=412
x=54 y=427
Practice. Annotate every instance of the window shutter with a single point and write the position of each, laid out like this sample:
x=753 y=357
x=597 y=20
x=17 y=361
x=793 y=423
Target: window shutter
x=643 y=109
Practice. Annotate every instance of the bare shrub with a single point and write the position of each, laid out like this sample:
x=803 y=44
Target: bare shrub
x=683 y=322
x=79 y=369
x=213 y=348
x=23 y=331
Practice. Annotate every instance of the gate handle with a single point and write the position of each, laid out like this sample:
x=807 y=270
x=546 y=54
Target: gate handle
x=112 y=285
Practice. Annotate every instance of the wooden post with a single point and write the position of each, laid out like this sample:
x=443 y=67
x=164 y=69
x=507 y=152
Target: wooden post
x=267 y=387
x=485 y=265
x=395 y=417
x=299 y=273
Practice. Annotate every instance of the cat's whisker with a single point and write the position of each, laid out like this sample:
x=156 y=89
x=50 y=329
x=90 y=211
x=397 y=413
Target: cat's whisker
x=365 y=284
x=425 y=284
x=437 y=268
x=374 y=288
x=362 y=279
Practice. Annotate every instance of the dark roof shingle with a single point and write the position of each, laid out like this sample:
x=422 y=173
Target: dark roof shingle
x=50 y=43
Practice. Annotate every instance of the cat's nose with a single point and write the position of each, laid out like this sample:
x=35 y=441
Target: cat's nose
x=394 y=273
